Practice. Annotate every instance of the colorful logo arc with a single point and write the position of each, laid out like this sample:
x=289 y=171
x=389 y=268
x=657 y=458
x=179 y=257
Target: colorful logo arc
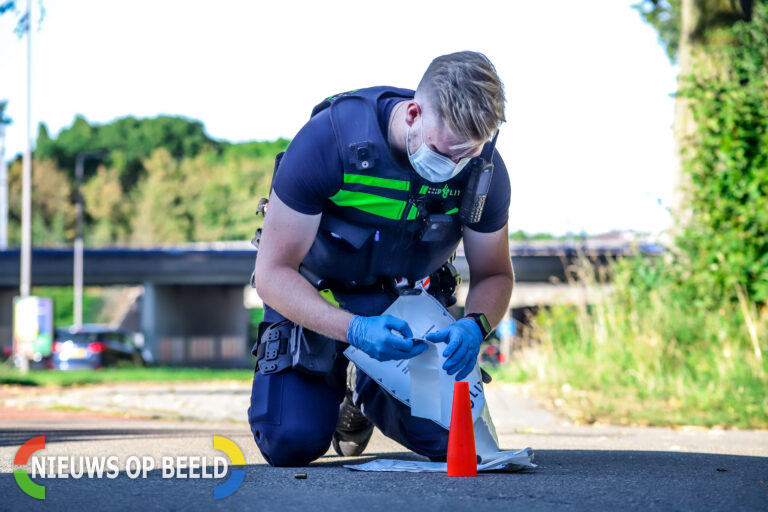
x=22 y=477
x=236 y=478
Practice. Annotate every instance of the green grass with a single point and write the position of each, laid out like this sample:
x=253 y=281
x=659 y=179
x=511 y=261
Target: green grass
x=52 y=378
x=648 y=357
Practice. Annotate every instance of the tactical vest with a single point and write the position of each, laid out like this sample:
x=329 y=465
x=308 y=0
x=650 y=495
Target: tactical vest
x=376 y=225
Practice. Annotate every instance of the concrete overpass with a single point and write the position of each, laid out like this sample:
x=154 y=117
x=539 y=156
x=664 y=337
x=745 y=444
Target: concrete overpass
x=193 y=304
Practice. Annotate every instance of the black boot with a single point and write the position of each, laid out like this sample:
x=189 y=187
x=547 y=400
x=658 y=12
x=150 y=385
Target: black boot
x=353 y=431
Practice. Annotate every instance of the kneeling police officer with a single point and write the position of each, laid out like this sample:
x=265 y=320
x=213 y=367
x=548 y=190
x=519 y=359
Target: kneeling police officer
x=372 y=197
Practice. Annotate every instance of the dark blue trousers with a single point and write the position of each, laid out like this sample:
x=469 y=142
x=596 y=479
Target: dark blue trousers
x=293 y=416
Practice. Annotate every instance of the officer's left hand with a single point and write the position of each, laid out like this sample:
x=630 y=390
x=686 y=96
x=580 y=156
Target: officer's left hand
x=464 y=338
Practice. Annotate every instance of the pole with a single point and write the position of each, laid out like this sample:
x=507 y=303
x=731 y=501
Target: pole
x=26 y=187
x=20 y=359
x=3 y=191
x=77 y=278
x=78 y=271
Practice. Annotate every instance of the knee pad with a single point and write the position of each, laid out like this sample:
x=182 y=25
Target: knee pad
x=292 y=417
x=283 y=448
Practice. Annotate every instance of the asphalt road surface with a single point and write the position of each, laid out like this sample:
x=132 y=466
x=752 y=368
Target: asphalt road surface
x=580 y=467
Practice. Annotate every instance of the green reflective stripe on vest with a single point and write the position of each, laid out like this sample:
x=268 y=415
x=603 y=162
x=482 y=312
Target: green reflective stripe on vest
x=423 y=189
x=373 y=181
x=451 y=212
x=413 y=212
x=373 y=204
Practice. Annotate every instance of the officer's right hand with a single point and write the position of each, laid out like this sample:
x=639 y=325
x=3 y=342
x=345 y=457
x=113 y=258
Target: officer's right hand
x=373 y=335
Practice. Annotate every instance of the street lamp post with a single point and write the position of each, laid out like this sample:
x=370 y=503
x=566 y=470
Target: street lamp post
x=25 y=281
x=77 y=278
x=21 y=360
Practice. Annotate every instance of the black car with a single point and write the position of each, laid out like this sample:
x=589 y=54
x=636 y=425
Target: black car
x=94 y=346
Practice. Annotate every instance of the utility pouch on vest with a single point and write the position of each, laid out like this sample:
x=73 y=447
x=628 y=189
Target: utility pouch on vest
x=313 y=353
x=443 y=284
x=437 y=227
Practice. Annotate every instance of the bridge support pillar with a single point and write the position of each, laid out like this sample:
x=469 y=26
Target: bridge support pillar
x=196 y=325
x=6 y=315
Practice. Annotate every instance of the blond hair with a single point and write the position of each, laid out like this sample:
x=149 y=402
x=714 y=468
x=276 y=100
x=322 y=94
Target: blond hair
x=467 y=93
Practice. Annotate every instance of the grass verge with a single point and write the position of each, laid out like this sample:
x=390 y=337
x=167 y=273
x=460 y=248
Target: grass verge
x=52 y=378
x=650 y=357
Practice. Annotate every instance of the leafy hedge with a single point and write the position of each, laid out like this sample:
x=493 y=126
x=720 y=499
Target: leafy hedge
x=725 y=242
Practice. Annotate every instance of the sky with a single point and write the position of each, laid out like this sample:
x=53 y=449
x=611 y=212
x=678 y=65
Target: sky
x=588 y=140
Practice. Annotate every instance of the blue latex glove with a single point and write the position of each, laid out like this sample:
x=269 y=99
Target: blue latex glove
x=373 y=335
x=464 y=338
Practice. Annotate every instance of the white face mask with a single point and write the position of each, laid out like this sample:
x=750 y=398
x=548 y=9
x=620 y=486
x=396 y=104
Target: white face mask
x=430 y=165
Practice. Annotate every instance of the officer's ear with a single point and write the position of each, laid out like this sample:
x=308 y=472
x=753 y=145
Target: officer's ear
x=412 y=112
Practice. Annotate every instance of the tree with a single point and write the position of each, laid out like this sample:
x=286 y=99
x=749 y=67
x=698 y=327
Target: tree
x=226 y=197
x=688 y=29
x=128 y=141
x=162 y=216
x=3 y=118
x=107 y=207
x=163 y=181
x=53 y=223
x=722 y=132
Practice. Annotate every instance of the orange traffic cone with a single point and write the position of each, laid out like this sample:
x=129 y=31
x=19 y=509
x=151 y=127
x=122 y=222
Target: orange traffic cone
x=462 y=458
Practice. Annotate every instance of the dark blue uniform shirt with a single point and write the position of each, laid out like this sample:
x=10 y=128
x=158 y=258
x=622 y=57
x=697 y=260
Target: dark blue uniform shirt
x=311 y=171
